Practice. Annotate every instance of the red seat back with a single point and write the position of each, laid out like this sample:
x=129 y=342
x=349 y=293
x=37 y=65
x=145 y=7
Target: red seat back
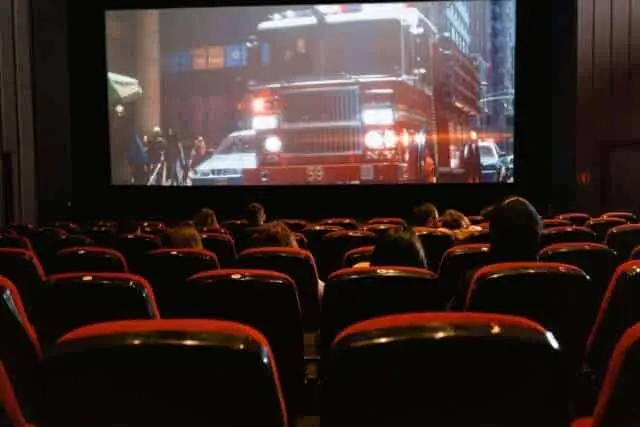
x=70 y=301
x=89 y=260
x=164 y=373
x=444 y=369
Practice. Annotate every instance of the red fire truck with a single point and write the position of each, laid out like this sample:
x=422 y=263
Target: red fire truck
x=352 y=94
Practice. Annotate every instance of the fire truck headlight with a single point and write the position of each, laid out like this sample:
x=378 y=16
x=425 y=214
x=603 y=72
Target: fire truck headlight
x=378 y=116
x=273 y=144
x=374 y=140
x=264 y=122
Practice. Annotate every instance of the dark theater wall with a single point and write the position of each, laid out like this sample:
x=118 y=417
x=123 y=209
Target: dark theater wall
x=608 y=102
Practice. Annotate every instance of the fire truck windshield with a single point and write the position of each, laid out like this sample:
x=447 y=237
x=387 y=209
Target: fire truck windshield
x=329 y=50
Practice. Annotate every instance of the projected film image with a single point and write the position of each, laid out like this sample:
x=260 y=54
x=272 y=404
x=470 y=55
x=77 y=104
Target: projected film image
x=396 y=93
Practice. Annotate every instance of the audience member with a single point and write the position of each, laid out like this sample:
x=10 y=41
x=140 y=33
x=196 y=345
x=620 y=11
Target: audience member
x=205 y=219
x=426 y=215
x=273 y=234
x=515 y=229
x=398 y=248
x=184 y=237
x=458 y=224
x=256 y=215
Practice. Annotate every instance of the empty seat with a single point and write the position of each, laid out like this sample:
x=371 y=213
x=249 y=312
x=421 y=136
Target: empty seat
x=617 y=405
x=16 y=241
x=336 y=245
x=168 y=269
x=20 y=352
x=358 y=255
x=164 y=373
x=619 y=311
x=316 y=233
x=558 y=296
x=623 y=239
x=435 y=243
x=381 y=229
x=70 y=301
x=295 y=263
x=23 y=269
x=391 y=221
x=89 y=260
x=627 y=216
x=552 y=236
x=447 y=370
x=295 y=225
x=601 y=226
x=152 y=226
x=11 y=414
x=575 y=218
x=102 y=235
x=552 y=223
x=457 y=264
x=26 y=230
x=222 y=245
x=357 y=294
x=265 y=300
x=345 y=223
x=597 y=260
x=135 y=246
x=68 y=226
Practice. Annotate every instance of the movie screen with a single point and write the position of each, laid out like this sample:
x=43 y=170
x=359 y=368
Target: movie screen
x=342 y=94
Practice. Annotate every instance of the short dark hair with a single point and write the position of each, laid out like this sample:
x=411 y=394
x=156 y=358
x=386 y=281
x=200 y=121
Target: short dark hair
x=424 y=213
x=255 y=214
x=400 y=248
x=515 y=228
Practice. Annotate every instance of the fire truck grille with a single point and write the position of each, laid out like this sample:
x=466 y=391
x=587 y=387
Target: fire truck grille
x=322 y=105
x=323 y=141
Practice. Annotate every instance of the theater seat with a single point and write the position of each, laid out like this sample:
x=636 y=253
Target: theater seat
x=161 y=373
x=335 y=246
x=576 y=218
x=102 y=235
x=11 y=414
x=597 y=260
x=72 y=300
x=20 y=356
x=456 y=267
x=617 y=404
x=135 y=246
x=435 y=243
x=23 y=269
x=316 y=233
x=89 y=260
x=623 y=239
x=627 y=216
x=381 y=229
x=222 y=245
x=265 y=300
x=619 y=311
x=295 y=263
x=391 y=221
x=15 y=241
x=168 y=269
x=601 y=226
x=358 y=255
x=446 y=370
x=552 y=236
x=344 y=223
x=356 y=294
x=301 y=241
x=558 y=296
x=552 y=223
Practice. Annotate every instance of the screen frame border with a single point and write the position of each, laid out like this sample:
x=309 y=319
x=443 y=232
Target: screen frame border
x=536 y=135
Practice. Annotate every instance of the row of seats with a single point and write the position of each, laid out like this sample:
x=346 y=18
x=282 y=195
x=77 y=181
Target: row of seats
x=445 y=369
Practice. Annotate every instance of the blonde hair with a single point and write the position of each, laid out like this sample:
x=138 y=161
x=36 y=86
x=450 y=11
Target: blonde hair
x=184 y=237
x=205 y=218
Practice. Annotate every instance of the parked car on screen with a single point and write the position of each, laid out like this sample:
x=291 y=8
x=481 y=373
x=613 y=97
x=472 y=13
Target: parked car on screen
x=493 y=166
